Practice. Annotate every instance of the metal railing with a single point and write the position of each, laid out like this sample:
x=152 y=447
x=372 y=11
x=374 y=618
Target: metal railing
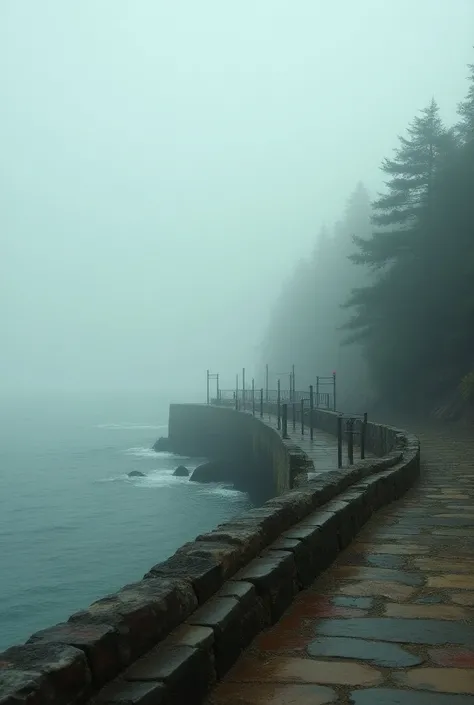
x=323 y=400
x=300 y=404
x=243 y=393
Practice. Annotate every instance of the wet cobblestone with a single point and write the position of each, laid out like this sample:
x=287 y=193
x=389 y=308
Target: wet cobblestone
x=391 y=622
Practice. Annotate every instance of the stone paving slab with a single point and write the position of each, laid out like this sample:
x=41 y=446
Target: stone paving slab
x=376 y=631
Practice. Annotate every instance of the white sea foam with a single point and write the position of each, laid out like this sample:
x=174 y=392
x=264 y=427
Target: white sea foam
x=229 y=492
x=164 y=457
x=141 y=452
x=165 y=478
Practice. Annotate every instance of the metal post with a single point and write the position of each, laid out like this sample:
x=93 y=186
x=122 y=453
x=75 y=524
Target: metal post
x=294 y=415
x=334 y=390
x=350 y=440
x=290 y=394
x=317 y=392
x=311 y=407
x=302 y=417
x=266 y=383
x=261 y=403
x=243 y=388
x=207 y=386
x=278 y=406
x=284 y=432
x=339 y=441
x=236 y=392
x=363 y=431
x=253 y=396
x=217 y=388
x=293 y=376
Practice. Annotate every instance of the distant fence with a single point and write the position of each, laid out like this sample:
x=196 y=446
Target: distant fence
x=324 y=390
x=294 y=408
x=323 y=400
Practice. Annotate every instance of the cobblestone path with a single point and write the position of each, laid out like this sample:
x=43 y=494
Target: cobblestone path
x=391 y=622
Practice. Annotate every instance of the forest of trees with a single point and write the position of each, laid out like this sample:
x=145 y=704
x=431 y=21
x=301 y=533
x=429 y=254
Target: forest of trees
x=387 y=296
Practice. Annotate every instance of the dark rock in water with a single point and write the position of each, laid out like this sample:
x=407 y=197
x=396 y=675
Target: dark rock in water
x=136 y=473
x=181 y=471
x=161 y=444
x=213 y=471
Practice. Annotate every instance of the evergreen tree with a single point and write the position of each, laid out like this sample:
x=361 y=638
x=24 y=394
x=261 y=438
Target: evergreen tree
x=412 y=300
x=465 y=127
x=410 y=186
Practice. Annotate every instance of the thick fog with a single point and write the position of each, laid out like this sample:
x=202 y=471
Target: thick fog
x=165 y=164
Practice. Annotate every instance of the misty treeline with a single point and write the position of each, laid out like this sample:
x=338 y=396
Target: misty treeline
x=387 y=296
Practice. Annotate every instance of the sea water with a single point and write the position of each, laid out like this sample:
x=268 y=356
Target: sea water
x=73 y=526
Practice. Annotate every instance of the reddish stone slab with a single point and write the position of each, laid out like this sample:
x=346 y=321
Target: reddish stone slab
x=278 y=694
x=382 y=574
x=288 y=669
x=452 y=657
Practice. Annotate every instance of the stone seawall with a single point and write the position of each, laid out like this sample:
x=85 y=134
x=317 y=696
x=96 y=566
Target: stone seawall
x=168 y=637
x=262 y=460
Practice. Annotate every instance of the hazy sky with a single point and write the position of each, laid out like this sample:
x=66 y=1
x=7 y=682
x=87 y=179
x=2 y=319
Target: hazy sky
x=163 y=165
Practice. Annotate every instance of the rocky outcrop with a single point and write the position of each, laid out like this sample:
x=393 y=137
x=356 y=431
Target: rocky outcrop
x=181 y=471
x=213 y=471
x=162 y=444
x=136 y=473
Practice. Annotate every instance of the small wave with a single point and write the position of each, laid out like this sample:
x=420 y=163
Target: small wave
x=141 y=452
x=165 y=478
x=158 y=479
x=130 y=426
x=110 y=479
x=229 y=492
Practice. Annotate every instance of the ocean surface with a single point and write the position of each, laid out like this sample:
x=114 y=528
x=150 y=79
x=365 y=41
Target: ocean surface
x=73 y=526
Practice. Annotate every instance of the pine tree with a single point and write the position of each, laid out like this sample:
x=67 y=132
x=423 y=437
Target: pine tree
x=465 y=127
x=413 y=301
x=388 y=309
x=410 y=186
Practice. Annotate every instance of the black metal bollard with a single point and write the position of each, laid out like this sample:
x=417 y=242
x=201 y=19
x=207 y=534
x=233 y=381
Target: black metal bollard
x=284 y=430
x=339 y=441
x=261 y=403
x=302 y=417
x=363 y=431
x=350 y=440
